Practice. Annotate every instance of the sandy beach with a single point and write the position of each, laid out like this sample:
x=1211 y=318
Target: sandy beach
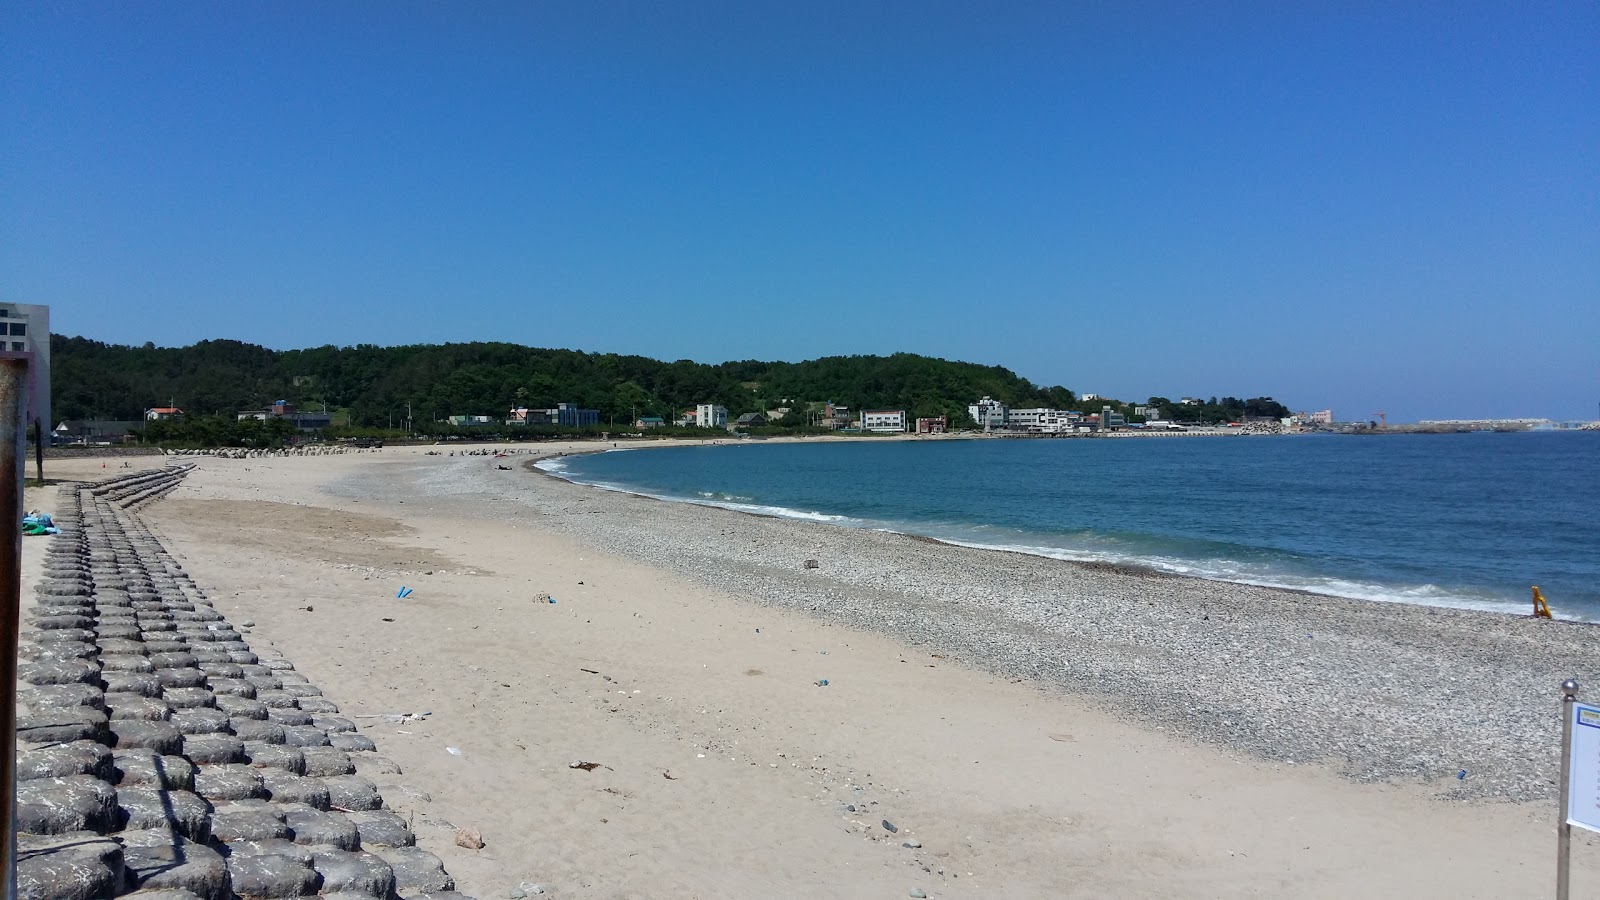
x=992 y=725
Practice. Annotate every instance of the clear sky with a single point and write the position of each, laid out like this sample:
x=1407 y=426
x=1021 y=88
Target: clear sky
x=1369 y=206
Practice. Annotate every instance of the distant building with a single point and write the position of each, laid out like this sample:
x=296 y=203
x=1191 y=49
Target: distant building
x=1042 y=420
x=1109 y=419
x=574 y=416
x=567 y=414
x=990 y=414
x=750 y=420
x=934 y=425
x=649 y=422
x=522 y=415
x=25 y=328
x=710 y=415
x=835 y=416
x=1322 y=417
x=461 y=421
x=687 y=419
x=1087 y=397
x=93 y=431
x=883 y=421
x=283 y=409
x=162 y=413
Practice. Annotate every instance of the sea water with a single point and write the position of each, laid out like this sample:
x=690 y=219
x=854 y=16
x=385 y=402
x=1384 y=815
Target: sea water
x=1468 y=520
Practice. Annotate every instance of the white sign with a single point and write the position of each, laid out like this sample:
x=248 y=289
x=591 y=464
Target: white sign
x=1583 y=785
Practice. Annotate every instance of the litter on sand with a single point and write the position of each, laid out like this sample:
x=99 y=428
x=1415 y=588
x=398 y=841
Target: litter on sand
x=404 y=592
x=402 y=718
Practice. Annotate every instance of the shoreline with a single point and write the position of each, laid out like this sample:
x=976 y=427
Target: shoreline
x=1135 y=568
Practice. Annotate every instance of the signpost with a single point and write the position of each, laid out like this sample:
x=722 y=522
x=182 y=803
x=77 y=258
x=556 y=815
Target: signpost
x=1580 y=778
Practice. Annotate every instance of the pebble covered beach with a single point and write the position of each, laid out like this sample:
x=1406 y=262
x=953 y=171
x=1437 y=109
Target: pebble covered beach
x=1463 y=699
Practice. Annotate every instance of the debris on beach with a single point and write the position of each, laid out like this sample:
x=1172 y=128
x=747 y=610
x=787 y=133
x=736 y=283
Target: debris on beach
x=812 y=564
x=822 y=682
x=469 y=837
x=1061 y=737
x=585 y=765
x=401 y=719
x=403 y=593
x=453 y=751
x=889 y=826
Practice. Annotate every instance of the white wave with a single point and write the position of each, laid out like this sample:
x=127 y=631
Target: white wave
x=1228 y=571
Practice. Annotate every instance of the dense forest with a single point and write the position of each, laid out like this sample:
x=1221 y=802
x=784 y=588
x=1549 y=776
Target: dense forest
x=378 y=387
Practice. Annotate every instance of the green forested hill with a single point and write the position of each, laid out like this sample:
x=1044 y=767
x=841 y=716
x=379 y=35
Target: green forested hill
x=94 y=380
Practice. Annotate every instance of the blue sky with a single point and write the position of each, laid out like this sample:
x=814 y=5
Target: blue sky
x=1366 y=206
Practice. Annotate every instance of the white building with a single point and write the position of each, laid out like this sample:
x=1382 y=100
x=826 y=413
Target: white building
x=884 y=421
x=989 y=413
x=1041 y=419
x=25 y=328
x=710 y=415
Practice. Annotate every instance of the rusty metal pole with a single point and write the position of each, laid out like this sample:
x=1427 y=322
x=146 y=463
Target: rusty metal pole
x=13 y=460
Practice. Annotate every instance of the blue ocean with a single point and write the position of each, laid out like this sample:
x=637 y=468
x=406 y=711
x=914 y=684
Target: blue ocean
x=1467 y=520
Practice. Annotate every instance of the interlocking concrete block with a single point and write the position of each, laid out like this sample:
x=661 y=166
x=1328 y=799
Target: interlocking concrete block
x=322 y=762
x=161 y=860
x=213 y=749
x=138 y=706
x=381 y=828
x=181 y=811
x=60 y=805
x=82 y=866
x=290 y=715
x=238 y=707
x=320 y=828
x=200 y=721
x=162 y=737
x=60 y=725
x=267 y=756
x=233 y=822
x=289 y=788
x=417 y=871
x=354 y=873
x=353 y=792
x=121 y=681
x=63 y=760
x=59 y=671
x=229 y=781
x=257 y=730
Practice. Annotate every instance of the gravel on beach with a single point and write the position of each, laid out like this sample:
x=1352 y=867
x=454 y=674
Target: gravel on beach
x=1375 y=691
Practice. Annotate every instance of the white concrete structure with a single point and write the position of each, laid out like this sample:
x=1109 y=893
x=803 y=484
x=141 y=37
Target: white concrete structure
x=710 y=415
x=25 y=328
x=883 y=421
x=1041 y=419
x=989 y=413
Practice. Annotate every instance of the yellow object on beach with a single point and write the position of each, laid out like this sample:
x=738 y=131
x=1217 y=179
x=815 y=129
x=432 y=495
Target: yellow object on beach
x=1541 y=609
